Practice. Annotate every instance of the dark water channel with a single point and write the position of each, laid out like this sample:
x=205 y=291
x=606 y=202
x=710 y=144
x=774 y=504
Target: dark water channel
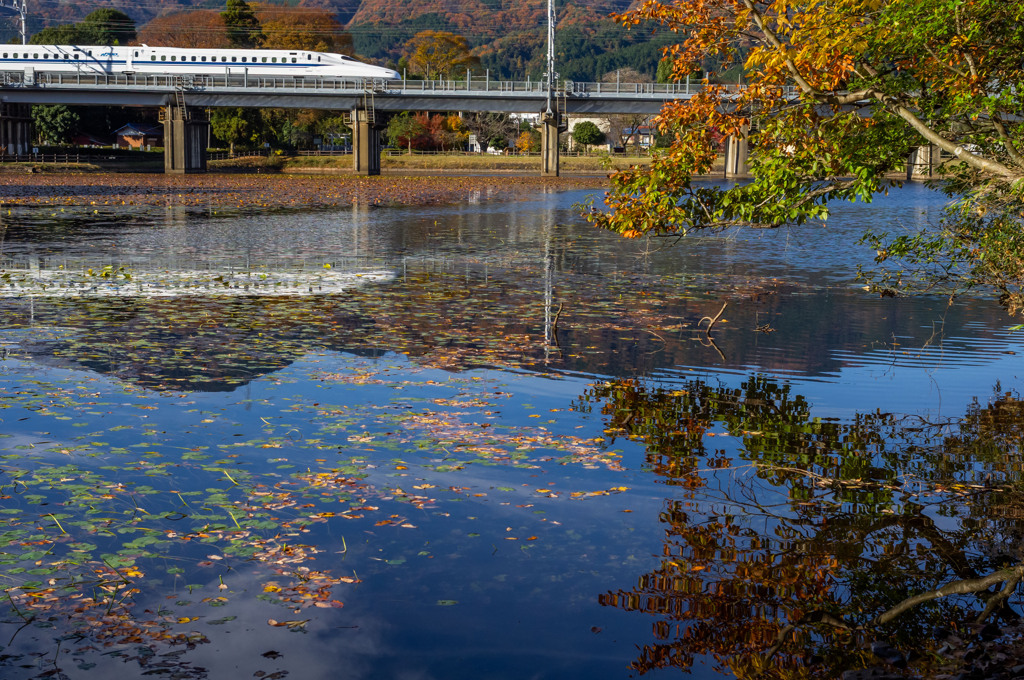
x=486 y=441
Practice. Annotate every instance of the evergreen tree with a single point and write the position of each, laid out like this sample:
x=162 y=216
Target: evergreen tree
x=242 y=24
x=586 y=133
x=54 y=124
x=109 y=27
x=101 y=27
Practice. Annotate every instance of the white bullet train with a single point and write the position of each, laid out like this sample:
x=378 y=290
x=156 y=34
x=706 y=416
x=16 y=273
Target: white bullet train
x=145 y=60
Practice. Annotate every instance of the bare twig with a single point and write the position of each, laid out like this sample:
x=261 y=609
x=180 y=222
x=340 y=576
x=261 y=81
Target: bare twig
x=713 y=319
x=554 y=324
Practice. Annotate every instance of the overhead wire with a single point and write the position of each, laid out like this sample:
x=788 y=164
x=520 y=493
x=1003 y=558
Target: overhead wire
x=481 y=32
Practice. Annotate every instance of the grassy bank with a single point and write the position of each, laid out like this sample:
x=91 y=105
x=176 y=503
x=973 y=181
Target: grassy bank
x=392 y=164
x=30 y=168
x=590 y=165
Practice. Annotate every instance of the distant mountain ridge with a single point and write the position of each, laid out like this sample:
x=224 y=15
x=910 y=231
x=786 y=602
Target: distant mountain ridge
x=508 y=35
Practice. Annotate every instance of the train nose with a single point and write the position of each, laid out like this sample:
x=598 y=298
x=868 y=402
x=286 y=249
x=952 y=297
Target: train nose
x=388 y=74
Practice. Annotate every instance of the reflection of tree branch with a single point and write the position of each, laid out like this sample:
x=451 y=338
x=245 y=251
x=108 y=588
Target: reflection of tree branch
x=711 y=343
x=810 y=617
x=963 y=587
x=926 y=529
x=997 y=600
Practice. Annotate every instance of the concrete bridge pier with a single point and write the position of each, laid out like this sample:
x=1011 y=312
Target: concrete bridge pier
x=15 y=128
x=365 y=142
x=737 y=155
x=550 y=126
x=186 y=134
x=922 y=162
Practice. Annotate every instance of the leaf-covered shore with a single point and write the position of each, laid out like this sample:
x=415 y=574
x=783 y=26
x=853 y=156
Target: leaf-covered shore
x=270 y=191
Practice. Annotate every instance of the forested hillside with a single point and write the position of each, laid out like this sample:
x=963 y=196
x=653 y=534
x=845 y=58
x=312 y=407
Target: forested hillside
x=507 y=37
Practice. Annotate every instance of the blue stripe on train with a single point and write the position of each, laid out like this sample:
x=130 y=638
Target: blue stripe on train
x=90 y=61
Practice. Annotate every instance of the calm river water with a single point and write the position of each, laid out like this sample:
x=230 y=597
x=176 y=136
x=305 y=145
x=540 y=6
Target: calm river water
x=483 y=441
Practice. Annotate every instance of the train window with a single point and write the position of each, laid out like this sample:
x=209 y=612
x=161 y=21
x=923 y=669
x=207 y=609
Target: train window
x=193 y=58
x=294 y=60
x=136 y=53
x=223 y=58
x=236 y=59
x=204 y=58
x=5 y=55
x=173 y=58
x=46 y=56
x=163 y=57
x=272 y=59
x=35 y=56
x=265 y=60
x=152 y=57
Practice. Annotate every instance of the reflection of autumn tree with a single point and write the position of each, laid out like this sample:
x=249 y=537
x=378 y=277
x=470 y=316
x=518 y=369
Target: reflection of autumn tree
x=775 y=427
x=823 y=549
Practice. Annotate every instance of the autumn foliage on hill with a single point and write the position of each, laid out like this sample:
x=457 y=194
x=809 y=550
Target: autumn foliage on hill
x=439 y=54
x=301 y=28
x=282 y=27
x=199 y=28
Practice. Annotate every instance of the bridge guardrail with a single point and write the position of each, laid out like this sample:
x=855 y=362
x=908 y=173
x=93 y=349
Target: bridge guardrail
x=476 y=84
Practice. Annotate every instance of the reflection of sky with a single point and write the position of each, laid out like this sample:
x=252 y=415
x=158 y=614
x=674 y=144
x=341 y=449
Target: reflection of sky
x=501 y=232
x=523 y=608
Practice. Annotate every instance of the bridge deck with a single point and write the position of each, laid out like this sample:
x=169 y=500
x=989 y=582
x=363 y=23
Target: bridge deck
x=475 y=94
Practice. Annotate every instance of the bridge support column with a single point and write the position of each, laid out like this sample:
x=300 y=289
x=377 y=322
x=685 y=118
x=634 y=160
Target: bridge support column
x=365 y=143
x=15 y=128
x=550 y=126
x=737 y=154
x=922 y=162
x=186 y=132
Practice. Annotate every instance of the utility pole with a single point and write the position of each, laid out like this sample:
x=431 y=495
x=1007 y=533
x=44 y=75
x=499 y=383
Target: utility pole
x=550 y=119
x=551 y=75
x=16 y=7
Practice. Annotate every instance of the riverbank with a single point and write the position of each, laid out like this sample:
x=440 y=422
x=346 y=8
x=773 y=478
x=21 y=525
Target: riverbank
x=279 y=190
x=152 y=162
x=440 y=163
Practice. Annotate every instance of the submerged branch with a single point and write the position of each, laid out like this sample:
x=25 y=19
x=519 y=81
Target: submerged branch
x=963 y=587
x=713 y=320
x=997 y=600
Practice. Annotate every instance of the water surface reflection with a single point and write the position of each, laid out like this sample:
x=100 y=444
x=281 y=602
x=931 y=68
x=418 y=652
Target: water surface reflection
x=501 y=440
